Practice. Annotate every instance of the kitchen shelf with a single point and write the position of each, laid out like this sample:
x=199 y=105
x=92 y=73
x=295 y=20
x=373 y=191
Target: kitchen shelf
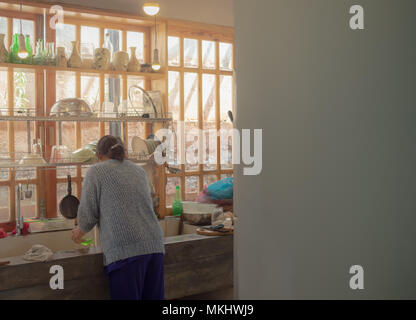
x=166 y=118
x=57 y=165
x=110 y=73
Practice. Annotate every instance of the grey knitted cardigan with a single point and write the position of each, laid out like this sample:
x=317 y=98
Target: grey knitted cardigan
x=116 y=198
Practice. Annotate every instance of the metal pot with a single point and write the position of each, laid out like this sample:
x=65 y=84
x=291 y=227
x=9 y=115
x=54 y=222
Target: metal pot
x=197 y=219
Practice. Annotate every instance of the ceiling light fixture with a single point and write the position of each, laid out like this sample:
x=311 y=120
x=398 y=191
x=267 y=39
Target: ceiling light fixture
x=151 y=8
x=22 y=53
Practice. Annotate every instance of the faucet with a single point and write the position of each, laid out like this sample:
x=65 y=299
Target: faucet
x=19 y=218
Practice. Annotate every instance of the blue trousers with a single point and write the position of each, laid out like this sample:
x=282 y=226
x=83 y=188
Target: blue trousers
x=137 y=278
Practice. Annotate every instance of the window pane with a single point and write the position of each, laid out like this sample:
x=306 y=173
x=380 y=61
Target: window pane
x=209 y=124
x=4 y=150
x=136 y=39
x=65 y=85
x=135 y=129
x=191 y=188
x=226 y=175
x=90 y=40
x=210 y=179
x=24 y=91
x=90 y=92
x=191 y=121
x=4 y=143
x=65 y=33
x=3 y=29
x=115 y=39
x=226 y=56
x=174 y=94
x=28 y=206
x=191 y=53
x=65 y=88
x=174 y=57
x=226 y=104
x=62 y=172
x=113 y=93
x=171 y=184
x=21 y=145
x=4 y=204
x=208 y=54
x=112 y=103
x=28 y=28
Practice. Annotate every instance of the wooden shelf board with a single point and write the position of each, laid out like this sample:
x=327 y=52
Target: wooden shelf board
x=111 y=73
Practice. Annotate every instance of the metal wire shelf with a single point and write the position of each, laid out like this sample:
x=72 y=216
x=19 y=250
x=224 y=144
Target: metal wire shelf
x=30 y=115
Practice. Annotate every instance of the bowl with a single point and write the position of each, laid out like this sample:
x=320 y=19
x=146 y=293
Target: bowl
x=72 y=107
x=197 y=214
x=197 y=219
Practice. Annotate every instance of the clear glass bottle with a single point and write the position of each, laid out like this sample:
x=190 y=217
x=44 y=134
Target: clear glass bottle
x=50 y=54
x=40 y=56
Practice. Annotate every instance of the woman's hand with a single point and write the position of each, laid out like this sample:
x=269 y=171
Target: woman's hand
x=77 y=235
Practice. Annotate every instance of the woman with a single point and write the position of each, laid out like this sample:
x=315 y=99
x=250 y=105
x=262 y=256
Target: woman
x=116 y=198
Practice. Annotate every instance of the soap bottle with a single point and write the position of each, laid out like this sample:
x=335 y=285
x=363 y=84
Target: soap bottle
x=177 y=203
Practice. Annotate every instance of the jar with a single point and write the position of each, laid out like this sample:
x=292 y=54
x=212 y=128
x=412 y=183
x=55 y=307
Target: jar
x=120 y=61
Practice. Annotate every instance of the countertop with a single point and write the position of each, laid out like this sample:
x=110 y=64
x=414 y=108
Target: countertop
x=194 y=264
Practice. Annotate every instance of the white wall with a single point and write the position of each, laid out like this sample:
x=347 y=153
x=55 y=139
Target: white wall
x=218 y=12
x=338 y=185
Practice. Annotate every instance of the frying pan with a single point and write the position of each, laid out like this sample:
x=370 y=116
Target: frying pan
x=69 y=204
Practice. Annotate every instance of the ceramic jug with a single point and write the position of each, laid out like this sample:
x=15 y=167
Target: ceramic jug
x=120 y=61
x=75 y=60
x=134 y=64
x=4 y=55
x=61 y=60
x=102 y=58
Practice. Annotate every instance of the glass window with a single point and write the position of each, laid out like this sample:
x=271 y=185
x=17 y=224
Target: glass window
x=174 y=56
x=171 y=184
x=4 y=204
x=3 y=29
x=226 y=56
x=135 y=129
x=209 y=121
x=90 y=40
x=90 y=92
x=191 y=188
x=4 y=104
x=28 y=206
x=191 y=53
x=174 y=94
x=65 y=33
x=210 y=179
x=116 y=39
x=208 y=55
x=226 y=104
x=191 y=90
x=136 y=39
x=28 y=28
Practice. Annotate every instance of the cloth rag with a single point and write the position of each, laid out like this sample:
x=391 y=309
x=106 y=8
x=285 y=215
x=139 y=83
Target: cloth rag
x=38 y=253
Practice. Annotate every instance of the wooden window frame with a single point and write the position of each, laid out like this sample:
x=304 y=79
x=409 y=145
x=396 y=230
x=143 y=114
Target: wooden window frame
x=200 y=36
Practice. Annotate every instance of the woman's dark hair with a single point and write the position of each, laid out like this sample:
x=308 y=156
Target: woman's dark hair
x=111 y=147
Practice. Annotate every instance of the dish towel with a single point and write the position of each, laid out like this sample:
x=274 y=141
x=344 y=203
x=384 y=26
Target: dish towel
x=38 y=253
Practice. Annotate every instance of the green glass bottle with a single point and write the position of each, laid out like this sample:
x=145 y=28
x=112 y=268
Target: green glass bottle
x=177 y=203
x=29 y=50
x=14 y=49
